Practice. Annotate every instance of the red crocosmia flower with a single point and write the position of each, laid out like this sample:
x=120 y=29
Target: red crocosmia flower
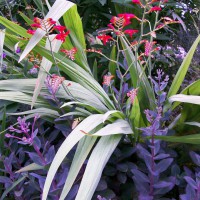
x=119 y=22
x=130 y=32
x=30 y=31
x=153 y=1
x=62 y=36
x=127 y=17
x=51 y=21
x=155 y=8
x=111 y=26
x=36 y=25
x=70 y=53
x=107 y=79
x=43 y=23
x=59 y=28
x=104 y=38
x=37 y=20
x=136 y=2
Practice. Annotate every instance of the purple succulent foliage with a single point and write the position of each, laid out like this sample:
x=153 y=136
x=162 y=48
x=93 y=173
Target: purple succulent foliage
x=192 y=179
x=38 y=150
x=149 y=180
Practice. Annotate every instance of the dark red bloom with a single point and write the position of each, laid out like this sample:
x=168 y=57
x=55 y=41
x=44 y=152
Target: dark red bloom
x=30 y=31
x=105 y=38
x=43 y=23
x=130 y=32
x=136 y=2
x=127 y=17
x=59 y=28
x=36 y=25
x=155 y=8
x=62 y=36
x=37 y=20
x=51 y=21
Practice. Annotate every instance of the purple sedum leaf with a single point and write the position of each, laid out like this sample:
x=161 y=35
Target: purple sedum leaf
x=140 y=176
x=195 y=158
x=163 y=165
x=161 y=156
x=35 y=158
x=191 y=182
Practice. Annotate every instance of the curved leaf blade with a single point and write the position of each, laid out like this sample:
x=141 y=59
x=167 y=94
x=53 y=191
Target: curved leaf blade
x=88 y=124
x=180 y=75
x=95 y=166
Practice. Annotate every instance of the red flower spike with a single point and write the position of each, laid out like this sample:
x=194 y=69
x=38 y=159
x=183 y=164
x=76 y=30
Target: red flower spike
x=155 y=8
x=132 y=94
x=130 y=32
x=107 y=79
x=36 y=25
x=51 y=21
x=119 y=22
x=148 y=47
x=154 y=1
x=136 y=2
x=44 y=24
x=127 y=17
x=70 y=53
x=111 y=26
x=59 y=28
x=37 y=20
x=30 y=31
x=105 y=38
x=62 y=36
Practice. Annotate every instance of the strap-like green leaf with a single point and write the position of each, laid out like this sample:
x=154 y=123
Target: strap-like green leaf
x=145 y=92
x=76 y=135
x=189 y=139
x=82 y=151
x=97 y=161
x=185 y=98
x=30 y=167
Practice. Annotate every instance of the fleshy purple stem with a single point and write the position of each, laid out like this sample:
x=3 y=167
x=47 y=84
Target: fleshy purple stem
x=152 y=163
x=39 y=153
